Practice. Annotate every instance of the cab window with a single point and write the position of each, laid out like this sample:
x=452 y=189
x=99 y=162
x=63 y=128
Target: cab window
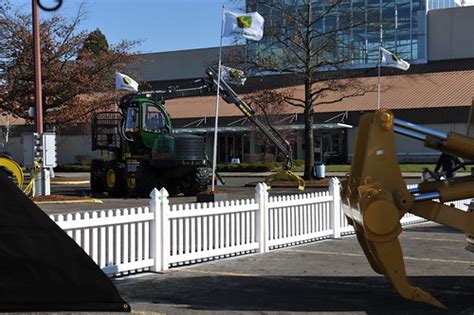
x=153 y=120
x=132 y=122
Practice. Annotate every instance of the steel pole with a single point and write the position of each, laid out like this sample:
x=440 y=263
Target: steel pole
x=37 y=61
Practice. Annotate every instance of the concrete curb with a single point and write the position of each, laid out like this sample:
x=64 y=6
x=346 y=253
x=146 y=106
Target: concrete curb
x=70 y=182
x=97 y=201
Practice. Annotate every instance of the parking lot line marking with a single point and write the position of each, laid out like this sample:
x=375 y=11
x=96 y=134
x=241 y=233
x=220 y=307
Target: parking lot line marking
x=454 y=261
x=435 y=239
x=323 y=252
x=219 y=273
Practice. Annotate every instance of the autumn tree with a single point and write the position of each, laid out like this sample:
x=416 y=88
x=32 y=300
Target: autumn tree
x=73 y=87
x=299 y=42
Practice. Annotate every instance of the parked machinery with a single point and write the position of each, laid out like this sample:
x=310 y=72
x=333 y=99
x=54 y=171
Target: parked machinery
x=376 y=197
x=146 y=151
x=11 y=169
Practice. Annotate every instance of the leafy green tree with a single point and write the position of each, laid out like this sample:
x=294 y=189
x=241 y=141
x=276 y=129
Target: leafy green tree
x=95 y=44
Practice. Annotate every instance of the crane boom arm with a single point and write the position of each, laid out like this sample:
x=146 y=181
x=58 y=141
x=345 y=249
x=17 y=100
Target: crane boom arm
x=208 y=86
x=229 y=95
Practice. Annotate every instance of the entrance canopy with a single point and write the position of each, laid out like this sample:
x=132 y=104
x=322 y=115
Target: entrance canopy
x=234 y=128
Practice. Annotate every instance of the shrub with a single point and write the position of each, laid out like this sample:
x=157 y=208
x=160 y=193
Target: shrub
x=248 y=167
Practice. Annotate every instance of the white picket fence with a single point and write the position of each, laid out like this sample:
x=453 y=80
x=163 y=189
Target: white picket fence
x=161 y=236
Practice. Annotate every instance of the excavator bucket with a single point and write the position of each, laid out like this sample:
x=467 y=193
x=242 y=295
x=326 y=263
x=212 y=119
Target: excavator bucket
x=375 y=198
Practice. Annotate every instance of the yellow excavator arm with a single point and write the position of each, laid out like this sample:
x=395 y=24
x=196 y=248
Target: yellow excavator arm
x=375 y=195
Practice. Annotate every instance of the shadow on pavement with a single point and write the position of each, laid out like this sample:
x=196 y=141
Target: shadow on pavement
x=373 y=295
x=433 y=229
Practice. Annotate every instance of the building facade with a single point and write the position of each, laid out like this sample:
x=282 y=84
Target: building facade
x=360 y=24
x=436 y=92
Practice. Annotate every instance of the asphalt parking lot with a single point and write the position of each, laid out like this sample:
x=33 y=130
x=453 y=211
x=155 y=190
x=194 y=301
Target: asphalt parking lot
x=235 y=188
x=329 y=276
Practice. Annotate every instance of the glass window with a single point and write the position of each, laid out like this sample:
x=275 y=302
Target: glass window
x=153 y=120
x=131 y=125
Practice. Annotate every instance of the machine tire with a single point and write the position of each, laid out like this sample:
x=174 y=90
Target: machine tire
x=97 y=175
x=195 y=181
x=114 y=174
x=130 y=183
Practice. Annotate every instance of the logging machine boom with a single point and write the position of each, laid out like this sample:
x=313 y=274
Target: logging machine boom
x=375 y=195
x=148 y=154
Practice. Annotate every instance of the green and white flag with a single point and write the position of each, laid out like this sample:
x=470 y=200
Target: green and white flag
x=247 y=25
x=233 y=76
x=124 y=82
x=392 y=60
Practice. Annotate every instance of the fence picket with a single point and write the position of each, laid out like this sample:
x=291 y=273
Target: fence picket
x=95 y=240
x=133 y=238
x=140 y=237
x=110 y=241
x=118 y=241
x=126 y=239
x=86 y=232
x=102 y=238
x=77 y=233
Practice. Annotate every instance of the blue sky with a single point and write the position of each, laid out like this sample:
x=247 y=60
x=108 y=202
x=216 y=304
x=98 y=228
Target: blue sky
x=162 y=25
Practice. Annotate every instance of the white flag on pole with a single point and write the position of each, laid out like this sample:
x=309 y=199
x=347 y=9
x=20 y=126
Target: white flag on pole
x=247 y=25
x=391 y=60
x=233 y=76
x=124 y=82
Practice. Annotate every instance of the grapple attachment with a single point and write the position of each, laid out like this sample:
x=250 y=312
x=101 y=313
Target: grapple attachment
x=375 y=198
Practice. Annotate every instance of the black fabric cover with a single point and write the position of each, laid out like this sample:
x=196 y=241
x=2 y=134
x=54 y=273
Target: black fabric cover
x=41 y=268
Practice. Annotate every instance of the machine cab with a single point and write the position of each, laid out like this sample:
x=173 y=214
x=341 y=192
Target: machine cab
x=145 y=121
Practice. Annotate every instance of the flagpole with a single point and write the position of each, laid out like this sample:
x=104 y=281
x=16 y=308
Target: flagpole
x=214 y=153
x=378 y=71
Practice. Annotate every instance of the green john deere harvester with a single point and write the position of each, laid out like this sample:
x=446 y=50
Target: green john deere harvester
x=146 y=152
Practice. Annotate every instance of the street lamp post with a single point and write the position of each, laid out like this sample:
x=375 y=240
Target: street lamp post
x=37 y=62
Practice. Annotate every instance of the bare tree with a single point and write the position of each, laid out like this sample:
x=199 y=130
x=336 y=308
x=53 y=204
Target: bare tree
x=271 y=110
x=300 y=42
x=72 y=87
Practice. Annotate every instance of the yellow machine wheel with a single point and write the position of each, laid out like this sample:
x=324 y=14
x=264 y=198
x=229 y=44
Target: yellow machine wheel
x=131 y=182
x=110 y=178
x=114 y=178
x=12 y=167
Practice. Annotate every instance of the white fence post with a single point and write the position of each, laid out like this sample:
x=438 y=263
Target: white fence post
x=155 y=233
x=165 y=229
x=335 y=192
x=261 y=226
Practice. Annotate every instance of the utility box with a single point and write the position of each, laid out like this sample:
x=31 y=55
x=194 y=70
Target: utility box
x=39 y=147
x=28 y=141
x=49 y=149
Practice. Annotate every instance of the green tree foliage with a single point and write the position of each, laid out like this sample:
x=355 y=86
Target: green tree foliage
x=95 y=44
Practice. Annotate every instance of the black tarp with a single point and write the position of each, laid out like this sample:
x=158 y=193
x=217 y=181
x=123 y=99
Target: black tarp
x=41 y=268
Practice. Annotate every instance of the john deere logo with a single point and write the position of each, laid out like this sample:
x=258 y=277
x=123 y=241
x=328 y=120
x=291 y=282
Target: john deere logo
x=244 y=21
x=234 y=73
x=395 y=58
x=127 y=80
